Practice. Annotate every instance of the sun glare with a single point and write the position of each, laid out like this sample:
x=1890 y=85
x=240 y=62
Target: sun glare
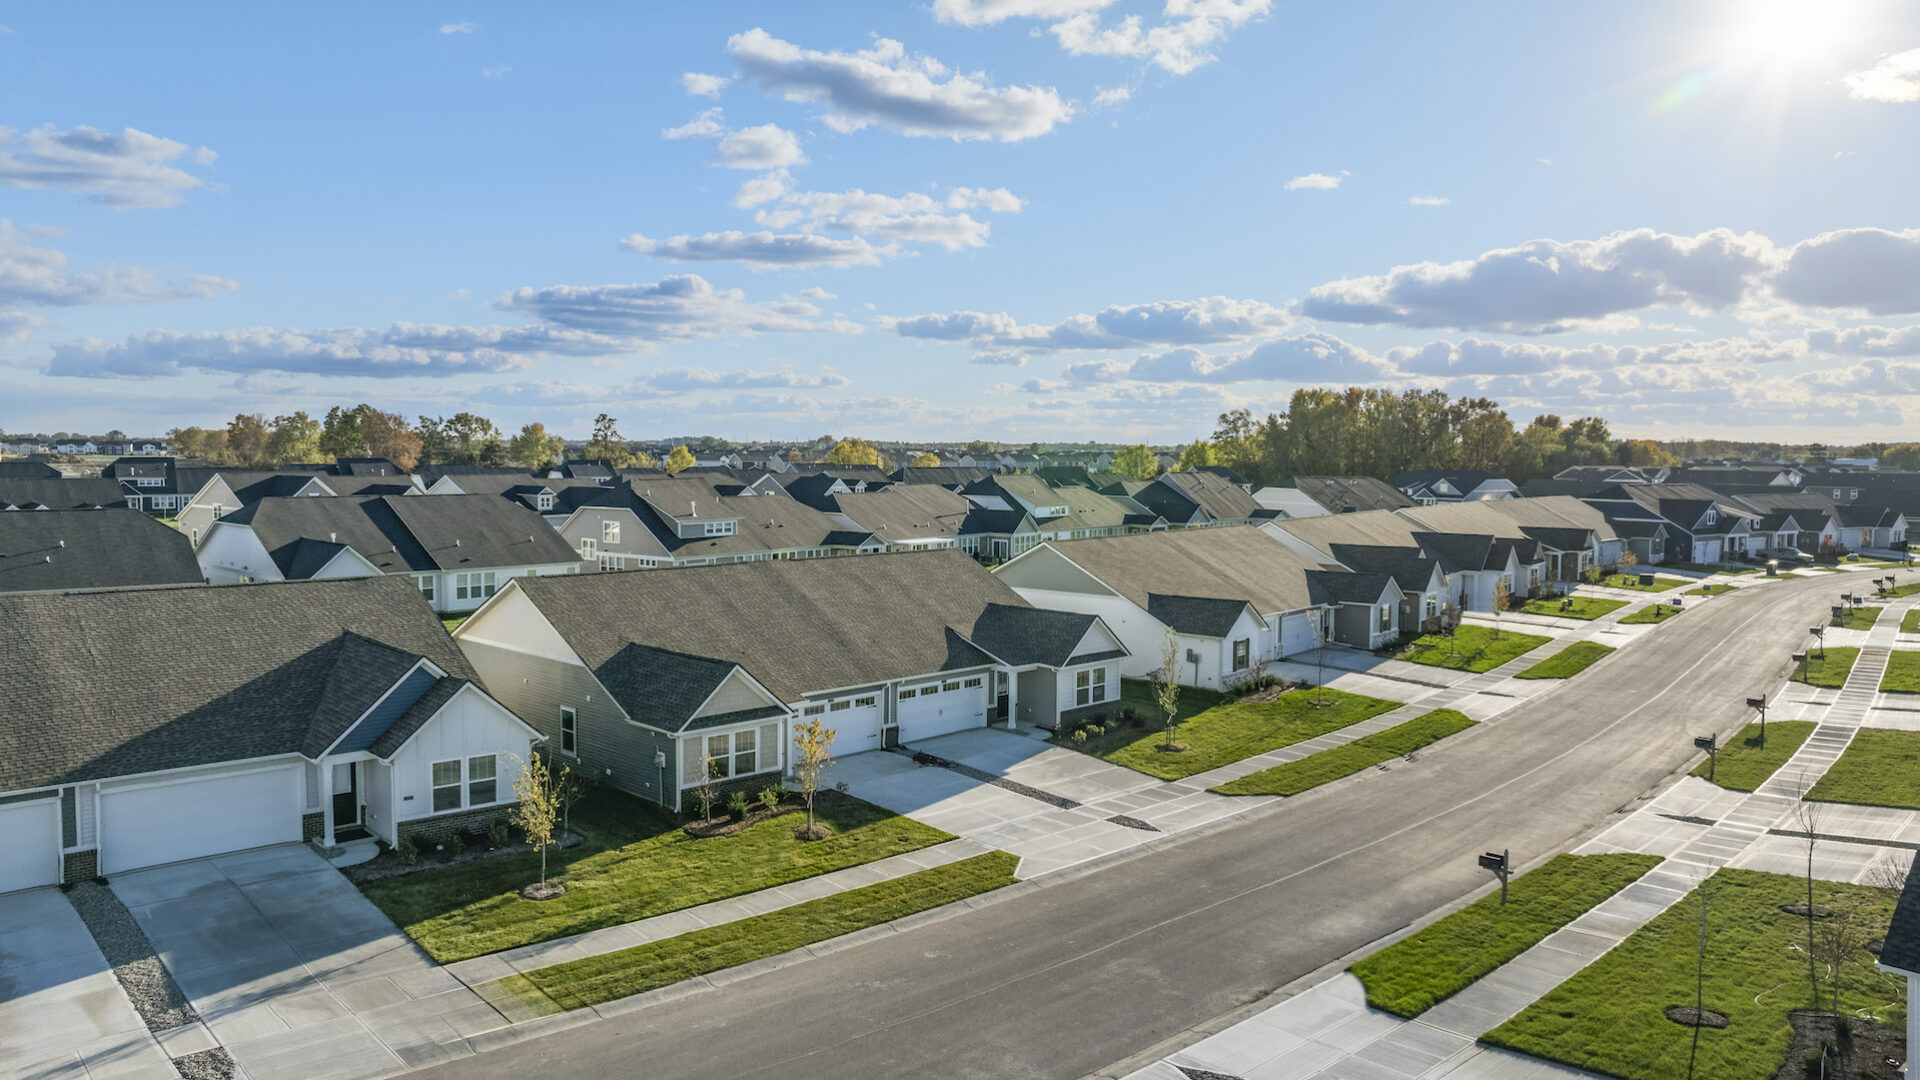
x=1786 y=29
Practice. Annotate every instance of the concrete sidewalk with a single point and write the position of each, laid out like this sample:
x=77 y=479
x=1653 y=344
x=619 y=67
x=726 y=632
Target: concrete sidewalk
x=63 y=1015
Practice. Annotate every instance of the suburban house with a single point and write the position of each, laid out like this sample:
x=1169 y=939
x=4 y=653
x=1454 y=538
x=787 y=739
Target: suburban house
x=1188 y=500
x=1230 y=598
x=906 y=517
x=458 y=550
x=1351 y=494
x=1422 y=581
x=1474 y=565
x=275 y=713
x=112 y=548
x=1287 y=502
x=1572 y=536
x=655 y=683
x=1900 y=952
x=59 y=494
x=1703 y=526
x=1862 y=526
x=1429 y=486
x=951 y=477
x=1061 y=513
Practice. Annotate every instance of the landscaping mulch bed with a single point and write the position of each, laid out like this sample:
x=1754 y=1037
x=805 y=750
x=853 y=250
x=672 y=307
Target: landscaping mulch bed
x=1688 y=1016
x=388 y=865
x=1820 y=911
x=1869 y=1051
x=726 y=826
x=214 y=1064
x=149 y=986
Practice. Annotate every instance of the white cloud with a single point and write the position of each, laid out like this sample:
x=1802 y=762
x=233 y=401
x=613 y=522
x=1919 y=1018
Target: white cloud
x=682 y=307
x=1000 y=358
x=1211 y=320
x=458 y=28
x=1313 y=357
x=1867 y=341
x=1549 y=286
x=1107 y=96
x=680 y=380
x=1428 y=200
x=814 y=292
x=1874 y=270
x=494 y=72
x=39 y=275
x=884 y=86
x=759 y=250
x=16 y=325
x=1179 y=44
x=1314 y=182
x=763 y=189
x=1895 y=79
x=125 y=170
x=999 y=200
x=989 y=12
x=700 y=85
x=710 y=124
x=764 y=146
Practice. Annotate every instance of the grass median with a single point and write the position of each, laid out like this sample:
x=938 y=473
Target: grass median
x=1473 y=648
x=1654 y=613
x=1418 y=972
x=1610 y=1018
x=1221 y=730
x=1745 y=763
x=1828 y=667
x=1661 y=583
x=578 y=984
x=1910 y=623
x=1709 y=590
x=1903 y=671
x=1365 y=752
x=1573 y=607
x=1569 y=661
x=1878 y=768
x=1861 y=618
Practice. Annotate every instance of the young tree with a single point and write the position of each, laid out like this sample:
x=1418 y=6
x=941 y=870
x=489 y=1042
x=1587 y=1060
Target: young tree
x=1500 y=596
x=1166 y=688
x=853 y=452
x=812 y=744
x=927 y=460
x=536 y=789
x=705 y=792
x=680 y=460
x=1136 y=462
x=247 y=439
x=1705 y=892
x=607 y=445
x=1197 y=456
x=534 y=448
x=295 y=438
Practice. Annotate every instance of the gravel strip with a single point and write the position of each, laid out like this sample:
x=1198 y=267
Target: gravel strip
x=985 y=777
x=148 y=984
x=1133 y=823
x=1205 y=1074
x=214 y=1064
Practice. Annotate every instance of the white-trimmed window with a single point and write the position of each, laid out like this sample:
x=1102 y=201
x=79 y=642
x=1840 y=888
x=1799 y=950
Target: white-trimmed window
x=719 y=528
x=719 y=756
x=841 y=706
x=909 y=694
x=446 y=785
x=1090 y=687
x=813 y=710
x=864 y=702
x=570 y=732
x=477 y=585
x=1386 y=616
x=1242 y=654
x=734 y=754
x=974 y=683
x=950 y=684
x=587 y=547
x=610 y=532
x=544 y=500
x=612 y=562
x=425 y=584
x=483 y=786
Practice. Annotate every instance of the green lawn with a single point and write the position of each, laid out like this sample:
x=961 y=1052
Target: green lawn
x=1478 y=650
x=1219 y=730
x=609 y=977
x=1709 y=590
x=1878 y=768
x=1416 y=973
x=1911 y=623
x=636 y=862
x=1584 y=607
x=1608 y=1018
x=1903 y=671
x=1653 y=613
x=1568 y=662
x=452 y=622
x=1711 y=568
x=1745 y=764
x=1861 y=618
x=1661 y=583
x=1365 y=752
x=1828 y=668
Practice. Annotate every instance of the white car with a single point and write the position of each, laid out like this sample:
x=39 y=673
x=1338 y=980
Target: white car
x=1786 y=555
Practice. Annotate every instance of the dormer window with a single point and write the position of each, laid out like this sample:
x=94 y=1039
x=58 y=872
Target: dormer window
x=544 y=500
x=719 y=528
x=1710 y=517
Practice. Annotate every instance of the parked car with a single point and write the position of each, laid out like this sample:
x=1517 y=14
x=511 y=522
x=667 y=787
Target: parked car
x=1786 y=555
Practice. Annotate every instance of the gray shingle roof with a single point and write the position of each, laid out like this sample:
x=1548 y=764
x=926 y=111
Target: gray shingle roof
x=87 y=690
x=1902 y=948
x=60 y=494
x=1026 y=635
x=1335 y=587
x=400 y=534
x=1201 y=615
x=1407 y=566
x=1235 y=562
x=43 y=550
x=1347 y=494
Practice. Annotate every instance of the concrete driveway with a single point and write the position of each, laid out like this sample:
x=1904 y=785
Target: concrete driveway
x=296 y=973
x=1045 y=835
x=62 y=1013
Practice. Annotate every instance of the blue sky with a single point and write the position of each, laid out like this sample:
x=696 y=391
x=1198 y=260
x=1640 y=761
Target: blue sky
x=1013 y=219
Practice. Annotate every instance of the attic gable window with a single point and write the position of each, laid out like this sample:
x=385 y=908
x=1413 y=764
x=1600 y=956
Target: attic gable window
x=544 y=500
x=609 y=532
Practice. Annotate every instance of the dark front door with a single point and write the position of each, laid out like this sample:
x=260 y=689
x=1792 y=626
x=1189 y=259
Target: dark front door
x=346 y=795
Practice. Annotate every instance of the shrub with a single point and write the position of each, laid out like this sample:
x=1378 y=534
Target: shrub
x=1080 y=735
x=455 y=843
x=1094 y=731
x=407 y=852
x=737 y=806
x=842 y=787
x=1131 y=717
x=497 y=834
x=770 y=797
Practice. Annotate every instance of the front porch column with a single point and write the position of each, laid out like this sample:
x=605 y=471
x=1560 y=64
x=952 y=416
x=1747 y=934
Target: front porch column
x=326 y=802
x=1013 y=699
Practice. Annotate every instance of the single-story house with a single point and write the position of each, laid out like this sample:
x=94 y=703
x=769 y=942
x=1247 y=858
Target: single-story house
x=110 y=548
x=270 y=714
x=1900 y=952
x=1190 y=500
x=1429 y=486
x=654 y=683
x=1422 y=581
x=18 y=493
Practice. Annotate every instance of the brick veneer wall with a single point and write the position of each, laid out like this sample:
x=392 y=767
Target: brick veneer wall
x=80 y=865
x=435 y=829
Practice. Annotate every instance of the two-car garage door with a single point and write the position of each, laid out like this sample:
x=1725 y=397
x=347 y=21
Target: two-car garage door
x=192 y=818
x=29 y=844
x=1299 y=632
x=939 y=708
x=854 y=720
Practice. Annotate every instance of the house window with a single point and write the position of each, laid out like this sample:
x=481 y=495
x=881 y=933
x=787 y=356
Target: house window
x=481 y=786
x=1242 y=654
x=425 y=584
x=475 y=586
x=609 y=532
x=719 y=528
x=864 y=702
x=842 y=705
x=586 y=547
x=446 y=786
x=1386 y=616
x=1090 y=687
x=908 y=695
x=745 y=755
x=569 y=732
x=719 y=757
x=813 y=710
x=973 y=683
x=544 y=500
x=951 y=684
x=612 y=562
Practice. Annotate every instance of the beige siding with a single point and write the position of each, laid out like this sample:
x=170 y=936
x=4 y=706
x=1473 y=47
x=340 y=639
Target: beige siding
x=736 y=695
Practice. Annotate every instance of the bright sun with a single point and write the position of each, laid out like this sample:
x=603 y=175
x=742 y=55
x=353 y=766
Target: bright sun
x=1786 y=29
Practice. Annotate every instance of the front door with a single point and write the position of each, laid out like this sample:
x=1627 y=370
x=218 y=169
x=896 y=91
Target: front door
x=346 y=794
x=1000 y=695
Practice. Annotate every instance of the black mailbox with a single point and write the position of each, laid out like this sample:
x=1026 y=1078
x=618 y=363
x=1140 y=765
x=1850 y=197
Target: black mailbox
x=1646 y=579
x=1707 y=742
x=1494 y=861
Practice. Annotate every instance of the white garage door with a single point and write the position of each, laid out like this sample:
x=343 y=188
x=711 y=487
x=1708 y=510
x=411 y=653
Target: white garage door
x=855 y=721
x=166 y=823
x=1298 y=633
x=29 y=844
x=953 y=705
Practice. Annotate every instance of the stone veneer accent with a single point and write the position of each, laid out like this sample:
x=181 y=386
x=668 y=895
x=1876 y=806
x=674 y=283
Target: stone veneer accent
x=313 y=826
x=433 y=830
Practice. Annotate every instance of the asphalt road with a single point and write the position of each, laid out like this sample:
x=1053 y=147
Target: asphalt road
x=1069 y=979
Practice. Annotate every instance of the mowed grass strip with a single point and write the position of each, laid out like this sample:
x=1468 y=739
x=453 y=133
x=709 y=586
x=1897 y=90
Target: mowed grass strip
x=635 y=862
x=1709 y=590
x=1910 y=624
x=1653 y=613
x=1584 y=607
x=1903 y=669
x=1745 y=763
x=609 y=977
x=1861 y=618
x=1828 y=668
x=1477 y=648
x=1661 y=583
x=1221 y=730
x=1416 y=973
x=1365 y=752
x=1878 y=768
x=1609 y=1018
x=1569 y=661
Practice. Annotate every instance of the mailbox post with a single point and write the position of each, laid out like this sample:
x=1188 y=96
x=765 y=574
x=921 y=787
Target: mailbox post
x=1820 y=636
x=1711 y=744
x=1496 y=861
x=1800 y=658
x=1761 y=704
